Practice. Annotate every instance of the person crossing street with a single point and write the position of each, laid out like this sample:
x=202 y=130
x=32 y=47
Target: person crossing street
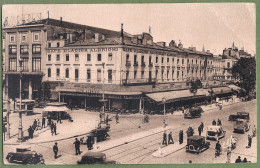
x=55 y=150
x=164 y=138
x=170 y=140
x=77 y=146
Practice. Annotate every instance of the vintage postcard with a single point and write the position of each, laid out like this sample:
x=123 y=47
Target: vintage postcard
x=151 y=83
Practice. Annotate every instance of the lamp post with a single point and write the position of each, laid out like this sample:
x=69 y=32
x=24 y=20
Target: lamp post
x=163 y=100
x=103 y=91
x=20 y=128
x=8 y=119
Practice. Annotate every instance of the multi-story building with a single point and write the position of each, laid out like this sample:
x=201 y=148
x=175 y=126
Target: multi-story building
x=82 y=63
x=235 y=53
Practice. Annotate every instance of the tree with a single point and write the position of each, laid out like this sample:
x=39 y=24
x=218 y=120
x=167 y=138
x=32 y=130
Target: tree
x=245 y=72
x=46 y=89
x=198 y=83
x=193 y=87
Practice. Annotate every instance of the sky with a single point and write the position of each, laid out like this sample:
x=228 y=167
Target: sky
x=214 y=25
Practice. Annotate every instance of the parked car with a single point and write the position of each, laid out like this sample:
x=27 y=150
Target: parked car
x=193 y=112
x=95 y=158
x=215 y=132
x=197 y=144
x=241 y=126
x=24 y=155
x=239 y=115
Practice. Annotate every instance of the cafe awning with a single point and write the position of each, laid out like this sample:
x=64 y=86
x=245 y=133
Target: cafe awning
x=234 y=87
x=221 y=90
x=55 y=108
x=172 y=96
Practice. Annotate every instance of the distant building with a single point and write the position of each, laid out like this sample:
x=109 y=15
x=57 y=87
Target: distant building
x=235 y=53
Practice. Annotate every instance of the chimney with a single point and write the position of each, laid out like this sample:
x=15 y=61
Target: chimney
x=172 y=44
x=122 y=34
x=60 y=21
x=96 y=37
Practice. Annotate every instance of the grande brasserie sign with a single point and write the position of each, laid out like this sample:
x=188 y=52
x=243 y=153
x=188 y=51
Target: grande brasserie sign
x=110 y=49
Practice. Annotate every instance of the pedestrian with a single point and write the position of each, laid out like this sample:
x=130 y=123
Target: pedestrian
x=254 y=131
x=249 y=141
x=38 y=125
x=219 y=122
x=170 y=140
x=100 y=116
x=164 y=123
x=164 y=138
x=34 y=124
x=217 y=149
x=181 y=136
x=52 y=128
x=245 y=160
x=228 y=154
x=201 y=126
x=117 y=118
x=49 y=121
x=59 y=117
x=214 y=122
x=43 y=122
x=89 y=143
x=238 y=160
x=55 y=150
x=55 y=128
x=107 y=119
x=77 y=146
x=30 y=132
x=199 y=130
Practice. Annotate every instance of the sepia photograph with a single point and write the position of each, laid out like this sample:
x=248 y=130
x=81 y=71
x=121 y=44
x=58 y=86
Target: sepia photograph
x=140 y=83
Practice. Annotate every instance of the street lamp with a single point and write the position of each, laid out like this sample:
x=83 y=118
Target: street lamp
x=103 y=92
x=20 y=128
x=164 y=100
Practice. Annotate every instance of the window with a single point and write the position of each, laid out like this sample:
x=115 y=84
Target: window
x=36 y=36
x=58 y=72
x=109 y=74
x=196 y=61
x=58 y=44
x=156 y=73
x=49 y=45
x=12 y=49
x=76 y=74
x=76 y=57
x=178 y=60
x=162 y=74
x=167 y=74
x=88 y=57
x=188 y=61
x=49 y=57
x=182 y=74
x=25 y=64
x=162 y=60
x=36 y=48
x=58 y=57
x=192 y=62
x=49 y=72
x=168 y=60
x=24 y=49
x=142 y=74
x=150 y=60
x=182 y=61
x=228 y=65
x=88 y=75
x=110 y=57
x=99 y=75
x=173 y=60
x=173 y=74
x=67 y=57
x=156 y=60
x=36 y=64
x=135 y=74
x=67 y=73
x=200 y=62
x=12 y=64
x=23 y=37
x=127 y=57
x=12 y=38
x=178 y=73
x=135 y=59
x=99 y=57
x=127 y=75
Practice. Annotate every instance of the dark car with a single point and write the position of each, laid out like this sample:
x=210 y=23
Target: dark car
x=197 y=144
x=95 y=158
x=194 y=112
x=239 y=115
x=241 y=126
x=24 y=155
x=101 y=133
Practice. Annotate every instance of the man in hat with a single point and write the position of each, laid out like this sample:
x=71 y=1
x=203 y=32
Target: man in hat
x=55 y=150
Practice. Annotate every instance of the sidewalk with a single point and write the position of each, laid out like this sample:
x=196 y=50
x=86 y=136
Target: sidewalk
x=167 y=150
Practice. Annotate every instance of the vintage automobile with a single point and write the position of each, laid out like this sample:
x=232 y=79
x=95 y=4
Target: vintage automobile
x=95 y=158
x=101 y=132
x=53 y=110
x=197 y=144
x=193 y=112
x=241 y=126
x=215 y=132
x=239 y=115
x=24 y=155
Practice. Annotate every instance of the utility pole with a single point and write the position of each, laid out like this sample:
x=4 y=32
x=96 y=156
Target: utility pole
x=103 y=92
x=8 y=119
x=20 y=128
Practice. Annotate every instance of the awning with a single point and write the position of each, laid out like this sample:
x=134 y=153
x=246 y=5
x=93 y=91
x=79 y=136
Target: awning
x=172 y=96
x=221 y=90
x=55 y=108
x=234 y=87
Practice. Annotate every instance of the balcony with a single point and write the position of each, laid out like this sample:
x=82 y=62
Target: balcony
x=136 y=64
x=150 y=65
x=128 y=64
x=143 y=64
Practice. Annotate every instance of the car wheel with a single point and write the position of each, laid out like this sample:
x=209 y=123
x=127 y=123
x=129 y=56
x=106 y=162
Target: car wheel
x=10 y=159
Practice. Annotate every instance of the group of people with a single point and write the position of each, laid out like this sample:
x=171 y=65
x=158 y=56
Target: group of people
x=170 y=139
x=190 y=131
x=238 y=160
x=217 y=123
x=34 y=127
